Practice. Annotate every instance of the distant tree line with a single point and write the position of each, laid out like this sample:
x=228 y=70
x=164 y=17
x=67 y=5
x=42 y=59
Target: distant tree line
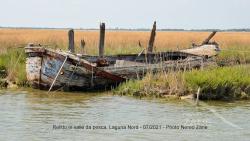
x=140 y=29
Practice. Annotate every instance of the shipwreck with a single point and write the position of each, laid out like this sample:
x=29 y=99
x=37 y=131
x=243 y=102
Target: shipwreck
x=55 y=69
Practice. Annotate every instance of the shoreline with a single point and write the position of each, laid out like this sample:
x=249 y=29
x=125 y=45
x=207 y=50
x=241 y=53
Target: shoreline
x=182 y=85
x=224 y=82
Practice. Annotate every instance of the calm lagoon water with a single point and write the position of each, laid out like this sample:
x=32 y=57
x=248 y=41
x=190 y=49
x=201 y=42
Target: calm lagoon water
x=27 y=115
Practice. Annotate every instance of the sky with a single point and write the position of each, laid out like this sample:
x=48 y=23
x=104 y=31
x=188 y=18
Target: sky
x=171 y=14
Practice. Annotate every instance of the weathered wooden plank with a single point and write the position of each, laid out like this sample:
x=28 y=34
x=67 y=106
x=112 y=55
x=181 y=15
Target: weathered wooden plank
x=69 y=74
x=51 y=66
x=132 y=72
x=34 y=49
x=125 y=63
x=67 y=80
x=152 y=58
x=100 y=72
x=48 y=80
x=204 y=50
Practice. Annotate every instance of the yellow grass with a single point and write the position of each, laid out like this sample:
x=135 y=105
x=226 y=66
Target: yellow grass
x=119 y=41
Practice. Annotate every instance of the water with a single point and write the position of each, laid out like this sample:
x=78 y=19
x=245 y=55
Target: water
x=35 y=115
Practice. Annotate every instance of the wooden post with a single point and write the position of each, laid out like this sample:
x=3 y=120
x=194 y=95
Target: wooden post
x=71 y=47
x=82 y=45
x=152 y=39
x=101 y=40
x=206 y=41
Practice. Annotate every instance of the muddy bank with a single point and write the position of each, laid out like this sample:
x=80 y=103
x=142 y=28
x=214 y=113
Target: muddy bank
x=219 y=93
x=3 y=75
x=6 y=82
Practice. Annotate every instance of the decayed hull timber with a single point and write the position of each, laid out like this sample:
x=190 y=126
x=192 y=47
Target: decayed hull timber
x=81 y=72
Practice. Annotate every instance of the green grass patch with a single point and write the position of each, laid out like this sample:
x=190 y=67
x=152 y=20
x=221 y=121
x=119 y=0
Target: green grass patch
x=234 y=55
x=221 y=82
x=12 y=63
x=216 y=83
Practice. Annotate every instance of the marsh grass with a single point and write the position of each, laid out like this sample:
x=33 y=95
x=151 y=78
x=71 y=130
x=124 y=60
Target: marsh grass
x=215 y=83
x=221 y=82
x=119 y=42
x=233 y=44
x=155 y=85
x=234 y=55
x=12 y=62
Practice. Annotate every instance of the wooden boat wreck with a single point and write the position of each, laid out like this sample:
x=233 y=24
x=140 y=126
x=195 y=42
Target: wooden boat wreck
x=53 y=69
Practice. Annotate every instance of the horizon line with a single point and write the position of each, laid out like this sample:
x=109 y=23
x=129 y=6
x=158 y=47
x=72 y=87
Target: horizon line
x=130 y=29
